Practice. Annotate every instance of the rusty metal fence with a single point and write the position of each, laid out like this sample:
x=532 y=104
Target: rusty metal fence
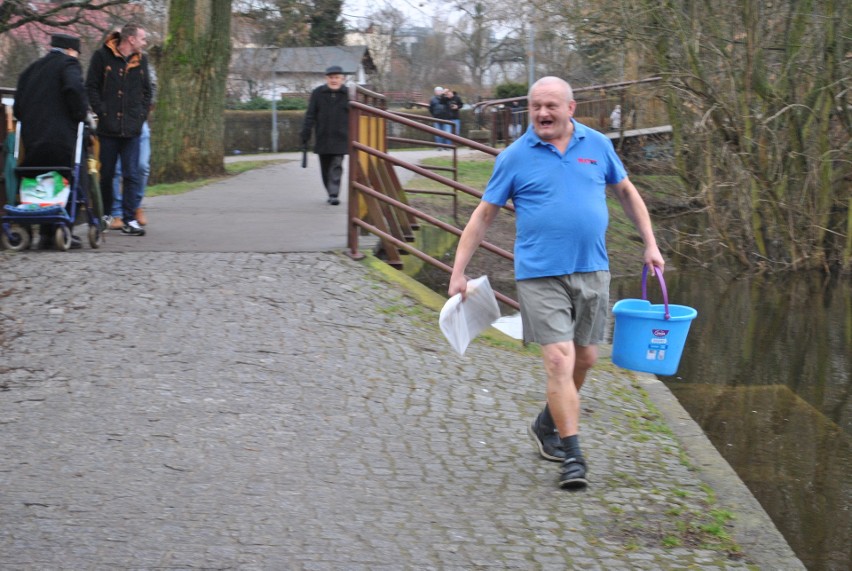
x=378 y=202
x=506 y=119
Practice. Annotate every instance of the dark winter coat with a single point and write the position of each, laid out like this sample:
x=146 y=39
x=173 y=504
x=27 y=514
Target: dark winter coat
x=50 y=101
x=328 y=114
x=438 y=107
x=119 y=90
x=448 y=102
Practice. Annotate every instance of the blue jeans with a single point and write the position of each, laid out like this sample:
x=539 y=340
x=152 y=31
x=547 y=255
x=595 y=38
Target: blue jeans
x=443 y=127
x=144 y=171
x=114 y=149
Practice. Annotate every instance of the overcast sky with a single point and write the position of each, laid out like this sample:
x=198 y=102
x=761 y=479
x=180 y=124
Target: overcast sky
x=417 y=11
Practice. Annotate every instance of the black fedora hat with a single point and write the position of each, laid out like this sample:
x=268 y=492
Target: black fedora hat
x=334 y=70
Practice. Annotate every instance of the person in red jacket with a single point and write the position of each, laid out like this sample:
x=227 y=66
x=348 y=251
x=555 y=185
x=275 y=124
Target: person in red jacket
x=328 y=115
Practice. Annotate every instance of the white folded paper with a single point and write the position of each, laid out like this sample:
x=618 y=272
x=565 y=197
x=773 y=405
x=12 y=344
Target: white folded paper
x=461 y=321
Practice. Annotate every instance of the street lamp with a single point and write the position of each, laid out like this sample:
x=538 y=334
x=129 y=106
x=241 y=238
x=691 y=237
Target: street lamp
x=274 y=118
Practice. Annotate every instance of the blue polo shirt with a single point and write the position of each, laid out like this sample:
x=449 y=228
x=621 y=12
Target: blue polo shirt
x=560 y=201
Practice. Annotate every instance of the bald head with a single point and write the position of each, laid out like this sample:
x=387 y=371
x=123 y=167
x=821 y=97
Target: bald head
x=553 y=82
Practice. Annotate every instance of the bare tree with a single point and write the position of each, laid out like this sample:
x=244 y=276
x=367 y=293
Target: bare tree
x=381 y=35
x=479 y=48
x=760 y=99
x=280 y=23
x=17 y=13
x=581 y=40
x=422 y=59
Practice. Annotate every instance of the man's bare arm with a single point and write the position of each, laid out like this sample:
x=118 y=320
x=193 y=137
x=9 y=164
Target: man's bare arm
x=471 y=237
x=635 y=209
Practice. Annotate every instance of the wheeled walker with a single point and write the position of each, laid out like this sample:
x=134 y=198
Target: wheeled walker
x=18 y=220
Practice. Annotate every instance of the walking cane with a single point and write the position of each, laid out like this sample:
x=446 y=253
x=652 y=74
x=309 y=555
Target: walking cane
x=305 y=156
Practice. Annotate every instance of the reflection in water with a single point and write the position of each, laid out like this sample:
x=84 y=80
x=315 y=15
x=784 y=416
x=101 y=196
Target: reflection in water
x=767 y=374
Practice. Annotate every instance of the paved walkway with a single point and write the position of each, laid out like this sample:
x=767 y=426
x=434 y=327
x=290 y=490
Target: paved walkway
x=217 y=396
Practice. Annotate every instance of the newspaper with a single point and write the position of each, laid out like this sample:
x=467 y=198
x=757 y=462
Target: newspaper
x=461 y=321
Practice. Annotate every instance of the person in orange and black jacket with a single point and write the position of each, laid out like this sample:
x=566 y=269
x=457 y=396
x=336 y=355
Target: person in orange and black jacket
x=119 y=87
x=328 y=114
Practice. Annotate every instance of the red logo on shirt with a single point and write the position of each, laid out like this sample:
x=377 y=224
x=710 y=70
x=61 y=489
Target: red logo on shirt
x=587 y=161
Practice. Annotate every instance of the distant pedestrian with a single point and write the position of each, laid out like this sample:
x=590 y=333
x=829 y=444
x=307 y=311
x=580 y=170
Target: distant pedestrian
x=439 y=110
x=615 y=118
x=454 y=104
x=120 y=92
x=328 y=116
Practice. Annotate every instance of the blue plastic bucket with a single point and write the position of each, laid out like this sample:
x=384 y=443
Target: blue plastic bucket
x=650 y=338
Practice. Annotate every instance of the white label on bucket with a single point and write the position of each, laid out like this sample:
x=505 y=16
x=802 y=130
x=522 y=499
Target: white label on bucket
x=651 y=355
x=661 y=355
x=659 y=341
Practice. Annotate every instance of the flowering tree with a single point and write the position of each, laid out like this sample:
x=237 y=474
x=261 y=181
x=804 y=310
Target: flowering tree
x=17 y=13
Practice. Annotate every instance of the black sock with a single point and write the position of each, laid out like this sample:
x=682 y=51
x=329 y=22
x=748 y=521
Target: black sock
x=547 y=420
x=571 y=446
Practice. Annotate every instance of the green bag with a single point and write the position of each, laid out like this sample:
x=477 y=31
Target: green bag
x=48 y=189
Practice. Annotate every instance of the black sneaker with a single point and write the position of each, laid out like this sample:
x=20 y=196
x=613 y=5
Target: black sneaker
x=546 y=441
x=573 y=473
x=333 y=200
x=133 y=228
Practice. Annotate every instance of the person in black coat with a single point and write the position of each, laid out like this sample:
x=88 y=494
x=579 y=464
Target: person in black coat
x=328 y=115
x=439 y=110
x=50 y=102
x=119 y=88
x=453 y=104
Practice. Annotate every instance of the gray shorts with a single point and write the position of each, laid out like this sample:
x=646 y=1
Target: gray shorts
x=565 y=308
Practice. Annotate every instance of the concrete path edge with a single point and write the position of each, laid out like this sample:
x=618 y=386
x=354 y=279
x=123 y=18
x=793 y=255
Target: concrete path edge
x=752 y=527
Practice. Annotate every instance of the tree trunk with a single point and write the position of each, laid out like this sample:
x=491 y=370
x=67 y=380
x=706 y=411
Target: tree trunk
x=188 y=123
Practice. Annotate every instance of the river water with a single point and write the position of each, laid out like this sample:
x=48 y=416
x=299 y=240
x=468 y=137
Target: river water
x=767 y=373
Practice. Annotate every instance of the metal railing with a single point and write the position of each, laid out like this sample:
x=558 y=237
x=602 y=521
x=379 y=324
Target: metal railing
x=378 y=203
x=594 y=105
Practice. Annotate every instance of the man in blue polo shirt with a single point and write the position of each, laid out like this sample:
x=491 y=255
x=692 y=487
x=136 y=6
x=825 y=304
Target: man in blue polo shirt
x=556 y=175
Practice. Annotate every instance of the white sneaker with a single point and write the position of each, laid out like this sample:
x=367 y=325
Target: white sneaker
x=133 y=228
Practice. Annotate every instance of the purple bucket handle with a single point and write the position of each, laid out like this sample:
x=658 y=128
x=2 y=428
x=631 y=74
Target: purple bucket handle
x=662 y=286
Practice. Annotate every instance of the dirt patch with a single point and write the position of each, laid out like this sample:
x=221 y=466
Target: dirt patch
x=499 y=270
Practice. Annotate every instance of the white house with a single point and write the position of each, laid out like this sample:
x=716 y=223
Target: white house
x=266 y=72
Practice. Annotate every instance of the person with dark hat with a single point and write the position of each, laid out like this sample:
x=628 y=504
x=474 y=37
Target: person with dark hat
x=119 y=88
x=50 y=101
x=328 y=115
